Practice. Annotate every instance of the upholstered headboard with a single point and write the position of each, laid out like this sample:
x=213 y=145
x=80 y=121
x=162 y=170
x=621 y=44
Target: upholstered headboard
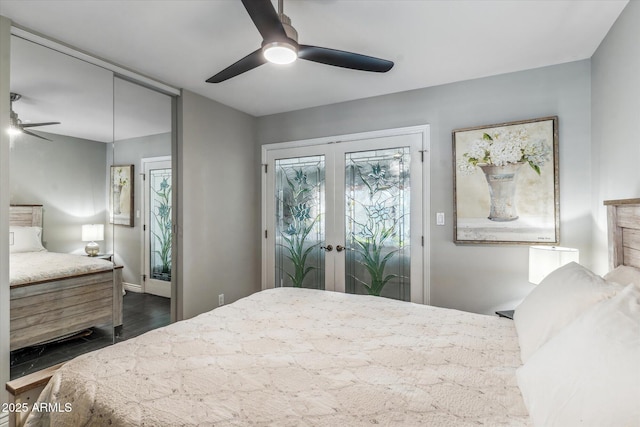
x=623 y=222
x=25 y=215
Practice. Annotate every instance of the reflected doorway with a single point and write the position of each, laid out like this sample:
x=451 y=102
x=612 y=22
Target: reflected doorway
x=157 y=233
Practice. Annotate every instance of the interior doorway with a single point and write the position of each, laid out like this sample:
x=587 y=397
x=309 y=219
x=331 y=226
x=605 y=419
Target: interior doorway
x=347 y=216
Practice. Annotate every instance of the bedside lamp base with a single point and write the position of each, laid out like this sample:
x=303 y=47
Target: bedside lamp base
x=92 y=249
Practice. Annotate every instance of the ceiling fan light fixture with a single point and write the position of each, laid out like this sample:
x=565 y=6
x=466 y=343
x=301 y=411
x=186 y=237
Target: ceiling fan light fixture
x=280 y=52
x=12 y=130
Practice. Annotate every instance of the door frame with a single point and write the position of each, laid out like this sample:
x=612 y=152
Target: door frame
x=422 y=130
x=143 y=236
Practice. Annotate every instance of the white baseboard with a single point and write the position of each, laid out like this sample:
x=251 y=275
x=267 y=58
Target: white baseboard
x=130 y=287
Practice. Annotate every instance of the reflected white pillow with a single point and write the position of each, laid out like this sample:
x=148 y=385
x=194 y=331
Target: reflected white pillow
x=624 y=275
x=25 y=239
x=589 y=373
x=558 y=300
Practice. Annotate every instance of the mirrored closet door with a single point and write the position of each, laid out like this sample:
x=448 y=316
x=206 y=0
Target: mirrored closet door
x=64 y=288
x=141 y=212
x=77 y=183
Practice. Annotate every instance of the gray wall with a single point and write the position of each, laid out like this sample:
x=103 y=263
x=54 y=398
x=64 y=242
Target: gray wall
x=481 y=278
x=615 y=122
x=219 y=204
x=66 y=176
x=128 y=240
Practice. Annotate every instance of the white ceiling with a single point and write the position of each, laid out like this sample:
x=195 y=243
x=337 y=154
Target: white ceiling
x=182 y=43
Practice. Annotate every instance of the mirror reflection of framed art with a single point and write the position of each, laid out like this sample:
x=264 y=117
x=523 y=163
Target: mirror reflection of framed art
x=121 y=195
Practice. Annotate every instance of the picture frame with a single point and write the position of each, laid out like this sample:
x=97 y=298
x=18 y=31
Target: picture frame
x=121 y=197
x=506 y=188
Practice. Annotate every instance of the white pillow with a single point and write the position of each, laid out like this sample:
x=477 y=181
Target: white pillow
x=25 y=239
x=589 y=373
x=624 y=275
x=561 y=297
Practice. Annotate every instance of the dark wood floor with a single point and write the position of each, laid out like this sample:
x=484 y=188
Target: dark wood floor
x=141 y=313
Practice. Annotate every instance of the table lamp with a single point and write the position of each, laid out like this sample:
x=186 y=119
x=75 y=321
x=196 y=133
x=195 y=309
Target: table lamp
x=91 y=233
x=544 y=259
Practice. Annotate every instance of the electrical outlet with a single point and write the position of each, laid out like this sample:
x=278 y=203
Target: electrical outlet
x=220 y=300
x=439 y=218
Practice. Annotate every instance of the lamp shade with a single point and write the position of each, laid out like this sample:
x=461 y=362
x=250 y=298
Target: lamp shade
x=544 y=259
x=92 y=232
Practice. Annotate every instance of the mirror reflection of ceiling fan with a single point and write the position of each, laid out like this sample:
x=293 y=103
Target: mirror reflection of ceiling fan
x=17 y=127
x=280 y=46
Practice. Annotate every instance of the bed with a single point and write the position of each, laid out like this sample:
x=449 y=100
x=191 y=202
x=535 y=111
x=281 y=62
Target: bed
x=296 y=357
x=55 y=295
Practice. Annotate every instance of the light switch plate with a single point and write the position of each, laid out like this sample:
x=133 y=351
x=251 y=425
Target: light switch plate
x=439 y=218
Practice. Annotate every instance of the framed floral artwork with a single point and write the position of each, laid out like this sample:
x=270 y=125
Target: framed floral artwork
x=506 y=183
x=121 y=195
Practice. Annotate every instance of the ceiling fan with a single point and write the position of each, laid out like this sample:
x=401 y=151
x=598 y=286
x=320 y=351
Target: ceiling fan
x=280 y=46
x=17 y=127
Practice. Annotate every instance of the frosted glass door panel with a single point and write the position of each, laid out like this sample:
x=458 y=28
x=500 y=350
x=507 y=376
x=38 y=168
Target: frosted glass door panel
x=300 y=222
x=157 y=256
x=377 y=227
x=160 y=224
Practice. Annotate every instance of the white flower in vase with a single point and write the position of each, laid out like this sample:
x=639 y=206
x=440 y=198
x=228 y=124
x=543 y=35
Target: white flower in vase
x=499 y=154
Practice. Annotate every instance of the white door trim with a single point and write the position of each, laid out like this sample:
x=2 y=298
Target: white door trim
x=423 y=130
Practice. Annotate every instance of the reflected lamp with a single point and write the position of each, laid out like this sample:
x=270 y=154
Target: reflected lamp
x=544 y=259
x=91 y=233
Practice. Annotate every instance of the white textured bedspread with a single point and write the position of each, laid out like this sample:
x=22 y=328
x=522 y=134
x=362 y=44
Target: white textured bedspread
x=27 y=267
x=297 y=357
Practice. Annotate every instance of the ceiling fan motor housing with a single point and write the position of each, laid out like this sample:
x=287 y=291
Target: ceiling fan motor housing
x=14 y=121
x=282 y=50
x=288 y=28
x=290 y=42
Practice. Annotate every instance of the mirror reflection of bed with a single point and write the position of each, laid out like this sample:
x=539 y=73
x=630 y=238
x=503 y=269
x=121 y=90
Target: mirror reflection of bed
x=103 y=120
x=57 y=296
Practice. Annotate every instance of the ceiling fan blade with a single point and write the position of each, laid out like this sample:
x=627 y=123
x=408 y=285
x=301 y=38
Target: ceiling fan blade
x=340 y=58
x=26 y=132
x=265 y=18
x=249 y=62
x=31 y=125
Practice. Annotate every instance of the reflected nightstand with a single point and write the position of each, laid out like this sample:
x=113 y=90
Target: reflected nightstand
x=506 y=313
x=108 y=257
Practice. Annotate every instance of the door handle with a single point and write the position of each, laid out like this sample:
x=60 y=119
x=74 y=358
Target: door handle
x=327 y=248
x=339 y=248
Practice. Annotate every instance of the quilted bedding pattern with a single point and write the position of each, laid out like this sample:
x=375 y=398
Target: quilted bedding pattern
x=27 y=267
x=299 y=357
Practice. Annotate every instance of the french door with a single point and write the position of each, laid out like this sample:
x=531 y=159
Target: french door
x=347 y=216
x=157 y=226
